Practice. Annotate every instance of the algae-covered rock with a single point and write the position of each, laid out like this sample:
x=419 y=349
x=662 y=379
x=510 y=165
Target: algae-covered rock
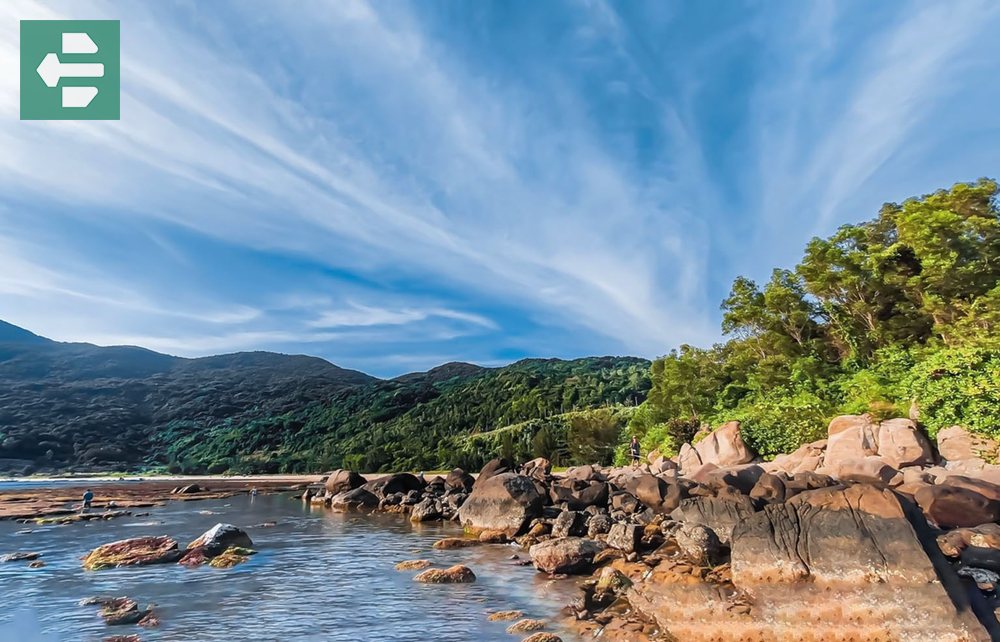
x=138 y=551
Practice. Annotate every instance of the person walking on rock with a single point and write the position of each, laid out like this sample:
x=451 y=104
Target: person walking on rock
x=88 y=497
x=634 y=449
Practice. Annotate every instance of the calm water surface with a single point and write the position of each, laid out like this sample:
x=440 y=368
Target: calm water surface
x=318 y=576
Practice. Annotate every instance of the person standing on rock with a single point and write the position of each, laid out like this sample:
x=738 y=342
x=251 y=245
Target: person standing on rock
x=88 y=497
x=634 y=449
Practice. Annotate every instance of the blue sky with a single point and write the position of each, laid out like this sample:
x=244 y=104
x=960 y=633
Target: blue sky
x=395 y=185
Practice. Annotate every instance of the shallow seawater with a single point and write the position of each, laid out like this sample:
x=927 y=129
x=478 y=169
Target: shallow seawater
x=318 y=575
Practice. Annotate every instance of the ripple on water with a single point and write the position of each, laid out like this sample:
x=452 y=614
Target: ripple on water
x=318 y=576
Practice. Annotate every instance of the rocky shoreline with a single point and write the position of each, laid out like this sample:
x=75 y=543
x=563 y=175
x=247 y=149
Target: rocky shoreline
x=874 y=533
x=871 y=534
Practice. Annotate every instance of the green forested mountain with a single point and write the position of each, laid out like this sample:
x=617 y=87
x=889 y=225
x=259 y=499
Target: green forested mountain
x=897 y=313
x=68 y=406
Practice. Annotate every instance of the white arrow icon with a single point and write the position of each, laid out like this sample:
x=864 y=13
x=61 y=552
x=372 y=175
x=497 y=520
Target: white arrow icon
x=51 y=70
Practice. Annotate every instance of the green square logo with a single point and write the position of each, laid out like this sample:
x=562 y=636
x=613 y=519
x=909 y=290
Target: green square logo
x=70 y=70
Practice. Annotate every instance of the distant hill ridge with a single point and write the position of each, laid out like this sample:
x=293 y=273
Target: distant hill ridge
x=77 y=405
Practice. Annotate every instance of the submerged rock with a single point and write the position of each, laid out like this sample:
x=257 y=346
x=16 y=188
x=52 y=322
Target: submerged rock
x=19 y=556
x=449 y=543
x=413 y=565
x=138 y=551
x=231 y=557
x=457 y=574
x=504 y=616
x=542 y=637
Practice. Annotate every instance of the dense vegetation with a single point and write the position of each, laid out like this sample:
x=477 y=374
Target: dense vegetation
x=897 y=313
x=77 y=406
x=428 y=422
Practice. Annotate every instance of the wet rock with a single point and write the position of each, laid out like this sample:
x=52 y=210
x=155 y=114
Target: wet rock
x=457 y=574
x=450 y=543
x=122 y=638
x=121 y=610
x=950 y=506
x=493 y=537
x=186 y=490
x=526 y=626
x=138 y=551
x=542 y=637
x=505 y=616
x=624 y=537
x=985 y=580
x=413 y=565
x=19 y=556
x=359 y=499
x=341 y=481
x=505 y=502
x=193 y=557
x=231 y=557
x=565 y=555
x=37 y=564
x=220 y=537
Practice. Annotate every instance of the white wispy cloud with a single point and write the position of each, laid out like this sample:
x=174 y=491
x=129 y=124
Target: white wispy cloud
x=416 y=182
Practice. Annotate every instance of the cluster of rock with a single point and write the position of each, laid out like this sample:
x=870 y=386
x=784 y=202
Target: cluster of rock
x=871 y=534
x=222 y=546
x=404 y=493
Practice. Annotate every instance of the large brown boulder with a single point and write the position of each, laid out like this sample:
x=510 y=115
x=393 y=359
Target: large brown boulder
x=721 y=514
x=957 y=444
x=494 y=467
x=901 y=444
x=840 y=564
x=359 y=499
x=807 y=458
x=392 y=484
x=724 y=446
x=579 y=495
x=339 y=481
x=953 y=506
x=504 y=502
x=688 y=459
x=565 y=554
x=897 y=442
x=850 y=437
x=220 y=537
x=865 y=470
x=138 y=551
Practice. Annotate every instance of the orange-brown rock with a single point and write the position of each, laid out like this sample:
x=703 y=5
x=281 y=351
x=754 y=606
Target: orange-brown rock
x=838 y=564
x=138 y=551
x=457 y=574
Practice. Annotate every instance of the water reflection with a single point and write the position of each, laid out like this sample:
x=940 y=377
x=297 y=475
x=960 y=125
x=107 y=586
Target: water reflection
x=319 y=576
